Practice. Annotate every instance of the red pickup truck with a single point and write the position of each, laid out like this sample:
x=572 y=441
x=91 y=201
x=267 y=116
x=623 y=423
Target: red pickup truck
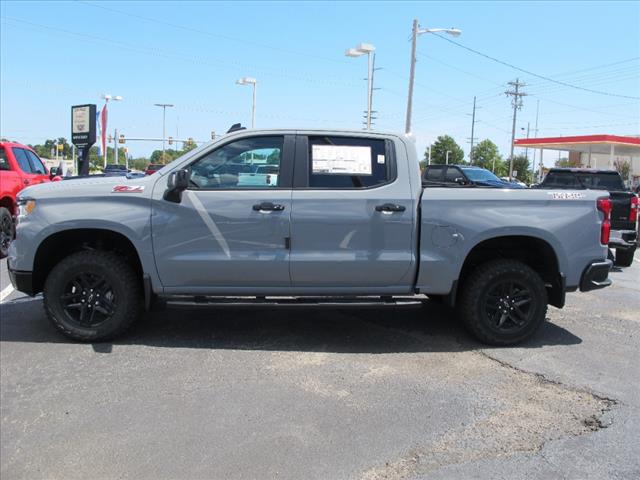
x=19 y=168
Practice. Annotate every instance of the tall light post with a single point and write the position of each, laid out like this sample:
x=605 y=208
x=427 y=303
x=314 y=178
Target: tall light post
x=254 y=82
x=366 y=49
x=416 y=30
x=164 y=124
x=103 y=123
x=447 y=157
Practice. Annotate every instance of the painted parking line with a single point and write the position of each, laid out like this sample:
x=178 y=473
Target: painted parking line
x=8 y=290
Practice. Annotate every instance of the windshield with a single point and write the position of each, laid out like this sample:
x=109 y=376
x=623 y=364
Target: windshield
x=601 y=181
x=480 y=175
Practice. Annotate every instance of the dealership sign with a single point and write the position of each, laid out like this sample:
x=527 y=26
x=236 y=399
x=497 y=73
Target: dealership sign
x=83 y=125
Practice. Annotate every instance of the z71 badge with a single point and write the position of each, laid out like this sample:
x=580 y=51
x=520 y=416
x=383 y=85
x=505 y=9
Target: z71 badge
x=566 y=195
x=127 y=189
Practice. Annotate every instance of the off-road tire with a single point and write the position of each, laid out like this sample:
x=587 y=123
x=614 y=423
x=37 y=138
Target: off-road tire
x=7 y=231
x=124 y=283
x=624 y=258
x=482 y=282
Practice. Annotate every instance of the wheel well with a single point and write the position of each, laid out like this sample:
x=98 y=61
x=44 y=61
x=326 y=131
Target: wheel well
x=62 y=244
x=534 y=252
x=9 y=204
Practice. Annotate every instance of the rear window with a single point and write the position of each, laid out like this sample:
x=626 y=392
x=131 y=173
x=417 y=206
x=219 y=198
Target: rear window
x=348 y=162
x=434 y=174
x=452 y=174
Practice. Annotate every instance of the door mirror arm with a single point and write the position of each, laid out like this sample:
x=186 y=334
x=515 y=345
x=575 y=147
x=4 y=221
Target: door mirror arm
x=177 y=183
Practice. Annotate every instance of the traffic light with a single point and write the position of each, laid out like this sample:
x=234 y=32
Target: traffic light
x=170 y=140
x=213 y=134
x=109 y=139
x=189 y=141
x=121 y=139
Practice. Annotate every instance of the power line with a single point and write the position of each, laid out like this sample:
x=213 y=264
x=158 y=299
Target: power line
x=528 y=72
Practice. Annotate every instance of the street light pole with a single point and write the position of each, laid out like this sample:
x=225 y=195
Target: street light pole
x=164 y=125
x=250 y=81
x=415 y=31
x=447 y=157
x=366 y=49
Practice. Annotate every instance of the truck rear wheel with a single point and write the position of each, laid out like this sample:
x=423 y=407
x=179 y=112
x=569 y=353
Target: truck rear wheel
x=503 y=302
x=6 y=231
x=92 y=296
x=624 y=258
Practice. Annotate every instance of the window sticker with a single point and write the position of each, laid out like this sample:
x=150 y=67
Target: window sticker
x=381 y=159
x=341 y=160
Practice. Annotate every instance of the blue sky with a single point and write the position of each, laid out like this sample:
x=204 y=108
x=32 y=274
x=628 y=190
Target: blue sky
x=56 y=54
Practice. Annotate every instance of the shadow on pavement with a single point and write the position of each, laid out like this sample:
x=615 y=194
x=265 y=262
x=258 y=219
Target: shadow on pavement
x=431 y=328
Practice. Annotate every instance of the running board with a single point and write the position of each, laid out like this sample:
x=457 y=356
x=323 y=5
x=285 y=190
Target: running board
x=296 y=302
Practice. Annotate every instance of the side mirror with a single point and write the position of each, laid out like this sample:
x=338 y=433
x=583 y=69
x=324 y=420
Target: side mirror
x=177 y=183
x=53 y=171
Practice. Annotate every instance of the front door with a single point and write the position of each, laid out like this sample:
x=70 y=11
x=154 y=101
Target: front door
x=352 y=224
x=231 y=229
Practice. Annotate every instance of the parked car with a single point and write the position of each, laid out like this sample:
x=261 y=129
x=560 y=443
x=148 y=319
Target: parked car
x=624 y=216
x=464 y=175
x=20 y=167
x=347 y=223
x=115 y=170
x=153 y=168
x=515 y=181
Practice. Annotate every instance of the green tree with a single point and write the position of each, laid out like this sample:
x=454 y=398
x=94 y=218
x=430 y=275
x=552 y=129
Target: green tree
x=441 y=146
x=564 y=162
x=486 y=155
x=623 y=168
x=522 y=167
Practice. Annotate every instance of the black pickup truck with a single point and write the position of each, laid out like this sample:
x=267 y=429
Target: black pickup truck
x=624 y=214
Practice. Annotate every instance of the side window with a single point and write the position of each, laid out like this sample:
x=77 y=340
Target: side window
x=23 y=160
x=434 y=174
x=4 y=161
x=248 y=163
x=452 y=174
x=36 y=164
x=348 y=162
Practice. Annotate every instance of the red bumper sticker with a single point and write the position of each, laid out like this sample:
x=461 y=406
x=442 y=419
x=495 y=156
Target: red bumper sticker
x=128 y=189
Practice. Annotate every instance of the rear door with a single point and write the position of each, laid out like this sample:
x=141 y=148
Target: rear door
x=352 y=218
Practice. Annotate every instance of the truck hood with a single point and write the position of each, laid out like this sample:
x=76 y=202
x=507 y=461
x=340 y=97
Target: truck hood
x=82 y=187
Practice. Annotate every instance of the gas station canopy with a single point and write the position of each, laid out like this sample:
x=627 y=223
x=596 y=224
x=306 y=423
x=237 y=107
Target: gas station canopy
x=602 y=144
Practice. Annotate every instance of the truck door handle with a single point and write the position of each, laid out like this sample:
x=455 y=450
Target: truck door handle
x=268 y=207
x=390 y=207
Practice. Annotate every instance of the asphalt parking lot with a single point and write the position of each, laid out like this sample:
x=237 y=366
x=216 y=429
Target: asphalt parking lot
x=325 y=394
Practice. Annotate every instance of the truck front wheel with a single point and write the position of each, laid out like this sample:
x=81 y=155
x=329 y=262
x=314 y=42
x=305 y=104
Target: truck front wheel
x=92 y=296
x=503 y=302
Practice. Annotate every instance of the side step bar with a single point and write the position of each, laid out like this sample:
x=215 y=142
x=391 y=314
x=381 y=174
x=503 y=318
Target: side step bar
x=296 y=302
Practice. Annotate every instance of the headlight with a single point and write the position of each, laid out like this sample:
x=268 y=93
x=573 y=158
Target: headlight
x=25 y=207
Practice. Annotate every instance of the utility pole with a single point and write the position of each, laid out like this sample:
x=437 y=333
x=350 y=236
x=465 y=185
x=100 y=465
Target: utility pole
x=473 y=124
x=516 y=102
x=412 y=74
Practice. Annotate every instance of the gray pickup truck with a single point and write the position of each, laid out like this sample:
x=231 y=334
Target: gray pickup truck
x=308 y=217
